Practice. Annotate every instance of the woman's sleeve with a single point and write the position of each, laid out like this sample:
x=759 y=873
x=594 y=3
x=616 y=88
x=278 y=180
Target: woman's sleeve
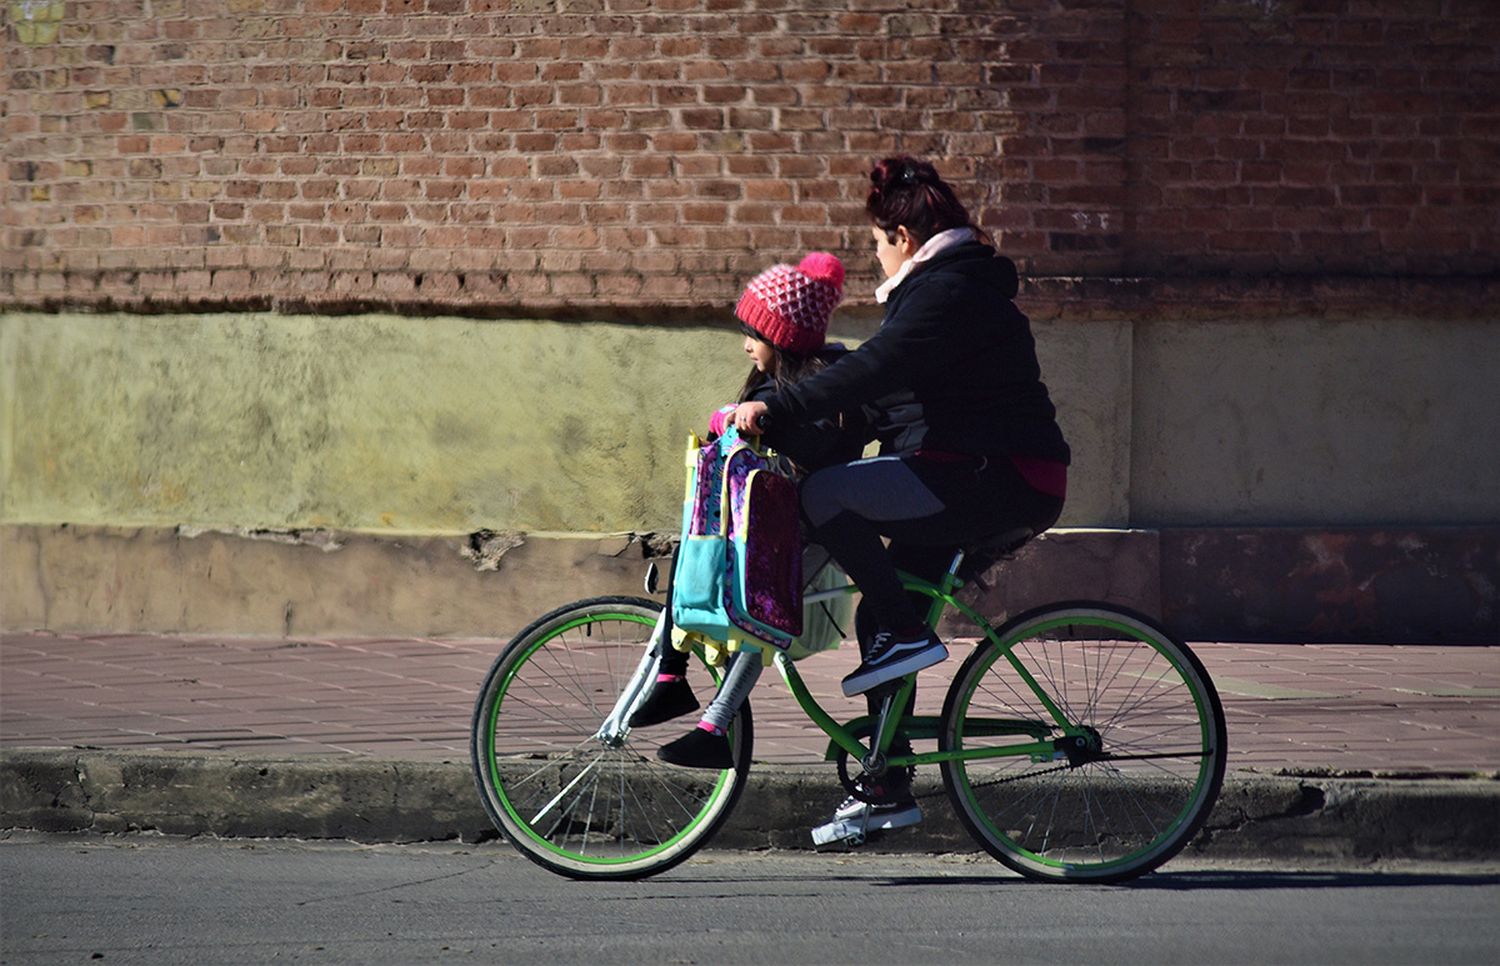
x=907 y=346
x=815 y=443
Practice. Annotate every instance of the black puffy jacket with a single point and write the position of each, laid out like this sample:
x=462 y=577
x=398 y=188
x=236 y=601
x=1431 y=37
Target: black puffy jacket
x=952 y=368
x=824 y=440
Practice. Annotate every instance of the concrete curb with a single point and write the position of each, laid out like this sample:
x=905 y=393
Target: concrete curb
x=407 y=801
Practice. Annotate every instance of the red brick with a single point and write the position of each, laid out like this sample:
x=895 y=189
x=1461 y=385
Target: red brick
x=573 y=123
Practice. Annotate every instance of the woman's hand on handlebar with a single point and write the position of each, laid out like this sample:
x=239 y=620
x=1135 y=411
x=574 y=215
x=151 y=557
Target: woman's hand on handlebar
x=749 y=418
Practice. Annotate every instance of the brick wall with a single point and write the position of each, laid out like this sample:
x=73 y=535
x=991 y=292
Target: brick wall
x=644 y=157
x=1314 y=137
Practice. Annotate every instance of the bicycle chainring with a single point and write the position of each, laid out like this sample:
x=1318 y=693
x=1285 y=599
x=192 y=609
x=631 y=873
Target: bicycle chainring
x=851 y=782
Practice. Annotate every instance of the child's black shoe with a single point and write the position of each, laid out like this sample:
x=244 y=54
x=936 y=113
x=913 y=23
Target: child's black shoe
x=668 y=700
x=698 y=748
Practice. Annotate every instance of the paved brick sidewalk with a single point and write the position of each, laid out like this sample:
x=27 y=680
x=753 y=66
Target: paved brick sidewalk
x=1384 y=709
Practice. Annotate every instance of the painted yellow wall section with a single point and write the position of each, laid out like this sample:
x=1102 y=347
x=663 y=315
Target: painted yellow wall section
x=445 y=425
x=393 y=424
x=366 y=423
x=1302 y=422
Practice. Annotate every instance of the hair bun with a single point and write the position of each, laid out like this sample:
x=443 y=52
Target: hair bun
x=908 y=192
x=902 y=171
x=824 y=268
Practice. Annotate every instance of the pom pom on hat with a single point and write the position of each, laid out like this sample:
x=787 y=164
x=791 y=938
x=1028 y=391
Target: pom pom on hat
x=790 y=307
x=823 y=267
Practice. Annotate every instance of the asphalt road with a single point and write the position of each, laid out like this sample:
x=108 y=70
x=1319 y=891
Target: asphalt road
x=145 y=899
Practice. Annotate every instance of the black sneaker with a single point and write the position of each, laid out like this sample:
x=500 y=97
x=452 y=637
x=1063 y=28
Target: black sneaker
x=698 y=748
x=889 y=659
x=667 y=700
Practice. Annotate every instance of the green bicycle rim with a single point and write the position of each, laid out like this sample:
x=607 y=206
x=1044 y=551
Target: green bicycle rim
x=1202 y=780
x=721 y=787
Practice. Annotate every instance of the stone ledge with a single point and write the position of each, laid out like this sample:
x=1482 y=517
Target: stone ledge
x=1388 y=585
x=1434 y=585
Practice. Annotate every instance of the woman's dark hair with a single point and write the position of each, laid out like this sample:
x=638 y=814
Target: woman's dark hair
x=790 y=369
x=907 y=192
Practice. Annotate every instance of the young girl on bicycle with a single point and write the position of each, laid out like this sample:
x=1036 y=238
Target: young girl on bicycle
x=970 y=446
x=784 y=315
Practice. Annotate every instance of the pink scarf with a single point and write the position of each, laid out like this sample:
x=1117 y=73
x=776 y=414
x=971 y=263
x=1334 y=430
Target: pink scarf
x=940 y=242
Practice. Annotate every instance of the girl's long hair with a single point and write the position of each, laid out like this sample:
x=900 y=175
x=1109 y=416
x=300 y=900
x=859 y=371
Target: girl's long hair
x=790 y=367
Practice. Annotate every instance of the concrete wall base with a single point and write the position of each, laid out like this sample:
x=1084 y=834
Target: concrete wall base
x=1414 y=585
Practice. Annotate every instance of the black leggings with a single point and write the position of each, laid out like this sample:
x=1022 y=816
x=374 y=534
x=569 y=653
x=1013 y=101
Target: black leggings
x=928 y=507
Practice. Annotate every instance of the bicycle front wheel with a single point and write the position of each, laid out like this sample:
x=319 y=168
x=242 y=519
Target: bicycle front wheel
x=580 y=806
x=1143 y=731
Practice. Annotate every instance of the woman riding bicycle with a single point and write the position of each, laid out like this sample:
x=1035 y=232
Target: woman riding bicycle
x=1079 y=741
x=970 y=446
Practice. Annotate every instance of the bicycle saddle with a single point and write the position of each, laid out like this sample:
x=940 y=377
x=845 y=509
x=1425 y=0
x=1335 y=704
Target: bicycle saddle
x=984 y=554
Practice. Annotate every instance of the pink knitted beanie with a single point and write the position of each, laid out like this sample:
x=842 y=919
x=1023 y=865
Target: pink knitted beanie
x=789 y=306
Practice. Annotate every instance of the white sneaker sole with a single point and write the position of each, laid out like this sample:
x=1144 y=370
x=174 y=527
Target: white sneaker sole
x=857 y=683
x=856 y=827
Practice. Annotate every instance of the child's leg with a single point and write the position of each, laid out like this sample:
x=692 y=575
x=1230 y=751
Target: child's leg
x=744 y=671
x=673 y=661
x=671 y=696
x=707 y=746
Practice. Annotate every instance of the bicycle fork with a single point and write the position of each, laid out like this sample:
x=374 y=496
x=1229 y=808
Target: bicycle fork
x=617 y=723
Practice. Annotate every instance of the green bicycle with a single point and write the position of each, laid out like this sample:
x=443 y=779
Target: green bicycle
x=1078 y=742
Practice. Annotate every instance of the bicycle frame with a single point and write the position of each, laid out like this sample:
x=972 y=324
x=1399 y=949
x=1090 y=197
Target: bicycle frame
x=892 y=720
x=843 y=736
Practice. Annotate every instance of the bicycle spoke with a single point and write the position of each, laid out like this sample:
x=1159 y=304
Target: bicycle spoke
x=550 y=761
x=569 y=787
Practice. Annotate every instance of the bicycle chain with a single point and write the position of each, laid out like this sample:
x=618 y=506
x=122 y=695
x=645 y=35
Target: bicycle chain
x=1000 y=781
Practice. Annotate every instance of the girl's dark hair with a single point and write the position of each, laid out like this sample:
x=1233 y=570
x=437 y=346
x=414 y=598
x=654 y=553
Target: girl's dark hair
x=907 y=192
x=790 y=369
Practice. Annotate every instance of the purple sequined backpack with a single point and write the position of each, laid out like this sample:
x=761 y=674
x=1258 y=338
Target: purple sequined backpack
x=739 y=569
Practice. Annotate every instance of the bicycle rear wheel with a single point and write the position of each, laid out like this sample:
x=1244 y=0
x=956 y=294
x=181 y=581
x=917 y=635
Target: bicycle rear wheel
x=567 y=800
x=1149 y=767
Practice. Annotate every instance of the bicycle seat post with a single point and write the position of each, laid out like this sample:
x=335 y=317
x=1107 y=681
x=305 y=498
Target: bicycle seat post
x=875 y=763
x=896 y=696
x=950 y=579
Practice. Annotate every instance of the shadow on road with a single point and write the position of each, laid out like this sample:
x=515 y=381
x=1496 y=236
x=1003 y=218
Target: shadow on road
x=1264 y=879
x=1235 y=880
